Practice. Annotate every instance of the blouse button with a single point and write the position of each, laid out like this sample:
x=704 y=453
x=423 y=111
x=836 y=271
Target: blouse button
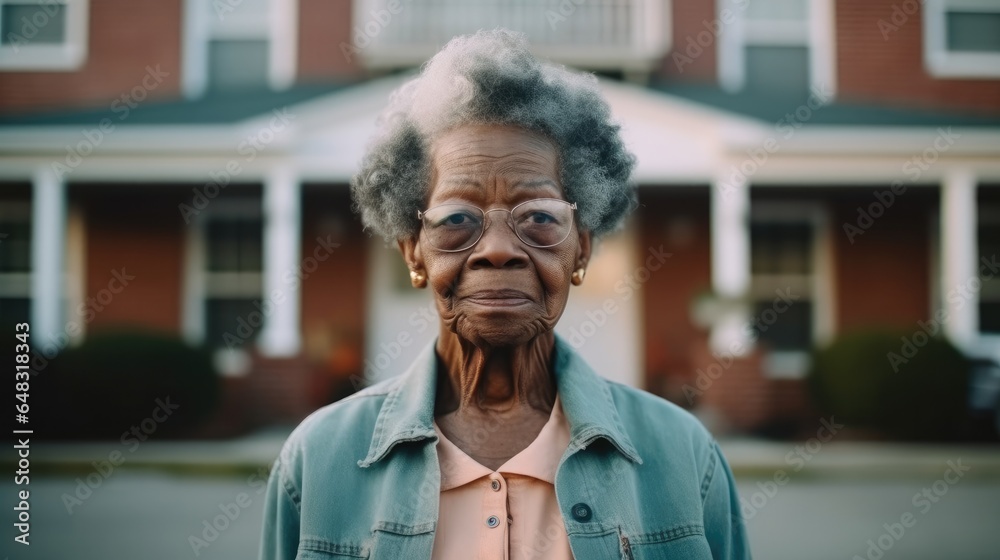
x=581 y=512
x=492 y=521
x=495 y=485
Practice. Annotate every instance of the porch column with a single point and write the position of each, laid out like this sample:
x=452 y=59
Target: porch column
x=730 y=245
x=280 y=336
x=48 y=248
x=959 y=256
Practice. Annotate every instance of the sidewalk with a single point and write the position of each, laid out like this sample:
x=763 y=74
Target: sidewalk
x=754 y=458
x=747 y=457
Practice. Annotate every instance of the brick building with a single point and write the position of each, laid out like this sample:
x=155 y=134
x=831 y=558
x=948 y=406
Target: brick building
x=805 y=166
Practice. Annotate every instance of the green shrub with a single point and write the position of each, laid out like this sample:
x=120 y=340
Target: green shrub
x=880 y=379
x=115 y=380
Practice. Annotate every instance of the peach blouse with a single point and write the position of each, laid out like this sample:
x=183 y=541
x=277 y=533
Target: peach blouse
x=508 y=514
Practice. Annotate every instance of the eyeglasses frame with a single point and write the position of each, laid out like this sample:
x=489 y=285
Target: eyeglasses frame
x=509 y=221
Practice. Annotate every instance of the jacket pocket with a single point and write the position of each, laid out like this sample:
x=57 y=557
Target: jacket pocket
x=685 y=542
x=319 y=549
x=397 y=542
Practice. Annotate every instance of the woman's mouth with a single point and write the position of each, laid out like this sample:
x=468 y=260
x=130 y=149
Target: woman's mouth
x=499 y=298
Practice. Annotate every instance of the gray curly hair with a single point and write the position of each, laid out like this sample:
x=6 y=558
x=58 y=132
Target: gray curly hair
x=490 y=77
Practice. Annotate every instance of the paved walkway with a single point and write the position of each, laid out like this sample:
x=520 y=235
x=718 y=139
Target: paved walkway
x=140 y=514
x=747 y=457
x=799 y=500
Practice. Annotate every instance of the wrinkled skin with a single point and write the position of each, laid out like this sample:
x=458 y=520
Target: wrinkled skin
x=499 y=300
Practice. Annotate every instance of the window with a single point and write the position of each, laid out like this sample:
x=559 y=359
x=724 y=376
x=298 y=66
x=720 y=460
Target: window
x=238 y=45
x=626 y=35
x=780 y=47
x=43 y=35
x=781 y=262
x=223 y=280
x=232 y=278
x=962 y=38
x=790 y=292
x=15 y=263
x=989 y=294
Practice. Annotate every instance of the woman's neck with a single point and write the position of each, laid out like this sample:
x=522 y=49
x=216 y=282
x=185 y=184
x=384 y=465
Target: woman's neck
x=476 y=381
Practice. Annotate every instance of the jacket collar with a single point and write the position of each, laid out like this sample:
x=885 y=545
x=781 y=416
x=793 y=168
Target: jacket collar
x=408 y=411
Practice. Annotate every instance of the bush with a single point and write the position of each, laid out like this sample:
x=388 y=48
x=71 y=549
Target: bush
x=884 y=381
x=115 y=380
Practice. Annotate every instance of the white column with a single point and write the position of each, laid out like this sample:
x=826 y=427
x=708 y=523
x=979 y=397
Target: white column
x=48 y=248
x=282 y=233
x=730 y=243
x=959 y=250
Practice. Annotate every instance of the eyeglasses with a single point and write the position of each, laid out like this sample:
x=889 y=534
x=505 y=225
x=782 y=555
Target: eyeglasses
x=540 y=223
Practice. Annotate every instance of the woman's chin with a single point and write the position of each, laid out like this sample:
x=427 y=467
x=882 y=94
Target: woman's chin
x=498 y=332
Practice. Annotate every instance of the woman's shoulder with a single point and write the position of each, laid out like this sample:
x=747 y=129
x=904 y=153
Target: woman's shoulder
x=650 y=415
x=349 y=419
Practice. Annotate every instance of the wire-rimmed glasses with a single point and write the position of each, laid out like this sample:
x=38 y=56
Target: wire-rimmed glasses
x=540 y=223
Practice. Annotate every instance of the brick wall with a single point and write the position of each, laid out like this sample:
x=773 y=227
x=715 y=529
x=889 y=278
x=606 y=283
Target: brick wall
x=883 y=277
x=138 y=230
x=888 y=67
x=692 y=58
x=125 y=37
x=732 y=392
x=676 y=218
x=323 y=26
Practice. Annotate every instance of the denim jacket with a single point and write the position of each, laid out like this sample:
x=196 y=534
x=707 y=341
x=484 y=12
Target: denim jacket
x=641 y=478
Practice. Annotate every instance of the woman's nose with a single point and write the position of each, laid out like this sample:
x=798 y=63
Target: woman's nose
x=499 y=246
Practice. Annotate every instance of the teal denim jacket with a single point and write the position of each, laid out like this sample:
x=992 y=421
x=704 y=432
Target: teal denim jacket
x=641 y=478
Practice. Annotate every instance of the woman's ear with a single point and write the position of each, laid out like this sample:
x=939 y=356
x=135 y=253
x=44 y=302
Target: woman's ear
x=583 y=257
x=414 y=261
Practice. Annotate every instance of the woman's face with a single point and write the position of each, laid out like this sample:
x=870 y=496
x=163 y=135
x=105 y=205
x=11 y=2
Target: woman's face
x=500 y=292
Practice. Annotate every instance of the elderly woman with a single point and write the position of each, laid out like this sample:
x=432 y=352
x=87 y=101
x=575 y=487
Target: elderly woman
x=495 y=174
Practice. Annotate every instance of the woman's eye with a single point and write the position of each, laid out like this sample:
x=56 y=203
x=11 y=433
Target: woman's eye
x=456 y=219
x=541 y=218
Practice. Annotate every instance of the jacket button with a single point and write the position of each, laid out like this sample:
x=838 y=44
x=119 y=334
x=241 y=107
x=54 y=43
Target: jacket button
x=492 y=521
x=581 y=512
x=495 y=485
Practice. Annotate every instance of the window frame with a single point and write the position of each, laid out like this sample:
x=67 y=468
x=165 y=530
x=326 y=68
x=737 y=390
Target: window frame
x=988 y=214
x=279 y=28
x=200 y=284
x=943 y=63
x=67 y=56
x=16 y=285
x=649 y=29
x=817 y=34
x=794 y=364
